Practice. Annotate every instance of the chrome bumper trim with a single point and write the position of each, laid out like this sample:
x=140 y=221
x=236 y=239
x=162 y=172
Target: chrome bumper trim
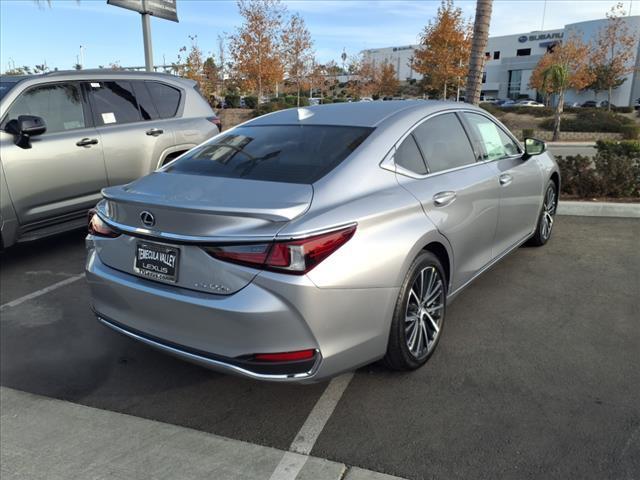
x=214 y=364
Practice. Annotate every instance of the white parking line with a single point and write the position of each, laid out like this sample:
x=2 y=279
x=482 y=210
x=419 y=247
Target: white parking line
x=38 y=293
x=293 y=461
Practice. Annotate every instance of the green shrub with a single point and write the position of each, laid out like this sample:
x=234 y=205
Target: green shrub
x=630 y=132
x=527 y=133
x=619 y=175
x=326 y=100
x=626 y=148
x=375 y=96
x=338 y=100
x=491 y=108
x=613 y=172
x=233 y=101
x=269 y=107
x=534 y=111
x=590 y=120
x=251 y=102
x=578 y=175
x=622 y=109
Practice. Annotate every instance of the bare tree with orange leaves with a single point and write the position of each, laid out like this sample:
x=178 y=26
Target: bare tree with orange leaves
x=567 y=66
x=297 y=51
x=445 y=49
x=613 y=52
x=387 y=81
x=255 y=46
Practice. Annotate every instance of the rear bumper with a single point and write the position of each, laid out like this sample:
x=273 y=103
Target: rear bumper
x=274 y=313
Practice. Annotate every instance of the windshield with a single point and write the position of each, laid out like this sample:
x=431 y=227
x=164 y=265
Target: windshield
x=275 y=153
x=6 y=85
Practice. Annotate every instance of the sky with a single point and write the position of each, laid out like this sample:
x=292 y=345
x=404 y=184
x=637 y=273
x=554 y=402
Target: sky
x=34 y=33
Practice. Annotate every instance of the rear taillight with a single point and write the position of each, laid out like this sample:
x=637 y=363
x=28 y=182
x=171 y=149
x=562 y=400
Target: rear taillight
x=294 y=256
x=216 y=121
x=98 y=227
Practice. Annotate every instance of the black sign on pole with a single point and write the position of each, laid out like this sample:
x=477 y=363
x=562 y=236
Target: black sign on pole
x=166 y=9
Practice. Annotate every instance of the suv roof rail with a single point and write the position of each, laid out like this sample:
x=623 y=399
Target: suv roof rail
x=109 y=71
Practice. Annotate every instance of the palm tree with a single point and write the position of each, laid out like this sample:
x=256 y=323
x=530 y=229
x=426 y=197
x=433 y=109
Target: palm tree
x=478 y=46
x=555 y=78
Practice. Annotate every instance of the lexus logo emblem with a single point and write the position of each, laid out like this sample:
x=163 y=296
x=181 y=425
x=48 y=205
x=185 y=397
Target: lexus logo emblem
x=147 y=218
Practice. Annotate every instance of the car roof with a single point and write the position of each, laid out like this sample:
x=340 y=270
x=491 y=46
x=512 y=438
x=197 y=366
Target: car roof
x=365 y=114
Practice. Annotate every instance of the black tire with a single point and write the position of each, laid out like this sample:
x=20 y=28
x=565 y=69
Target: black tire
x=399 y=356
x=548 y=211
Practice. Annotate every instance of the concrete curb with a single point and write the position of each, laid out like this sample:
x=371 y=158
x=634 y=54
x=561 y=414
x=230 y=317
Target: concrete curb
x=47 y=439
x=599 y=209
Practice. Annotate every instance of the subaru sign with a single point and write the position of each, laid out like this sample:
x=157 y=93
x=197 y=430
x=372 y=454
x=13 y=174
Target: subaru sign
x=523 y=38
x=541 y=36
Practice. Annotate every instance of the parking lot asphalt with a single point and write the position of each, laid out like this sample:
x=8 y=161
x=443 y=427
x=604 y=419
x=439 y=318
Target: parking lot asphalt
x=537 y=373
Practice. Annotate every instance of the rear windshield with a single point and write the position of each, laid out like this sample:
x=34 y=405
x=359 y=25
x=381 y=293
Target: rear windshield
x=273 y=153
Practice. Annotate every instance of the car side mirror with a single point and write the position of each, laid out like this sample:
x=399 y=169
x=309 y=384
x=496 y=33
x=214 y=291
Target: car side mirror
x=25 y=127
x=533 y=146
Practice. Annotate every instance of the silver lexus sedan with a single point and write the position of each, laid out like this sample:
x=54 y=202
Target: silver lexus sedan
x=312 y=241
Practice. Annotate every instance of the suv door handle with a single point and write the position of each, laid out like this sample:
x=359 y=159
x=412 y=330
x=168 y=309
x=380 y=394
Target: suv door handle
x=154 y=132
x=442 y=199
x=505 y=179
x=87 y=142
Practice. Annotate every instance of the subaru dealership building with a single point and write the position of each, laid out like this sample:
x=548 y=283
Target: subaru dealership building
x=510 y=59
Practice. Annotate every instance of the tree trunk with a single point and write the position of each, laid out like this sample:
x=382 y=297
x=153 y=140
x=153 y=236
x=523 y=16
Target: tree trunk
x=298 y=93
x=444 y=92
x=609 y=100
x=557 y=117
x=478 y=47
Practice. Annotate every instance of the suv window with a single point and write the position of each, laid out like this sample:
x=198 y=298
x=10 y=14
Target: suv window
x=408 y=156
x=113 y=102
x=147 y=108
x=59 y=104
x=166 y=98
x=444 y=143
x=497 y=144
x=275 y=153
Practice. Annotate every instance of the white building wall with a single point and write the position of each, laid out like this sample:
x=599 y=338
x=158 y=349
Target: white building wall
x=498 y=69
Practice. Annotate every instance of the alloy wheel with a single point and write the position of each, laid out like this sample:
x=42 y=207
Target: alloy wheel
x=548 y=211
x=424 y=312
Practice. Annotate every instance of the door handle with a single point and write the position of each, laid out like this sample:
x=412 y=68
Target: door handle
x=154 y=132
x=442 y=199
x=505 y=179
x=87 y=142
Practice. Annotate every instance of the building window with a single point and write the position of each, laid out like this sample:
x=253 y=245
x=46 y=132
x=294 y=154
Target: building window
x=487 y=55
x=496 y=55
x=515 y=81
x=484 y=77
x=523 y=52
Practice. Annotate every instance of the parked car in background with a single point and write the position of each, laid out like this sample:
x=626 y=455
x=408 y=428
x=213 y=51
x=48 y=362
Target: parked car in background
x=302 y=244
x=507 y=103
x=636 y=104
x=528 y=103
x=596 y=104
x=366 y=99
x=66 y=135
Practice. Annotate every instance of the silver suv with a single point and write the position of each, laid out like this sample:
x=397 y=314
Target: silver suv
x=66 y=135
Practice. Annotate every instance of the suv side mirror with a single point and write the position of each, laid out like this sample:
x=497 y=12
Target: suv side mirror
x=533 y=146
x=25 y=127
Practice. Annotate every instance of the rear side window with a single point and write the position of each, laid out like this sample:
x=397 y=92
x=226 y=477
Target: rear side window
x=444 y=143
x=408 y=156
x=147 y=108
x=275 y=153
x=113 y=102
x=165 y=98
